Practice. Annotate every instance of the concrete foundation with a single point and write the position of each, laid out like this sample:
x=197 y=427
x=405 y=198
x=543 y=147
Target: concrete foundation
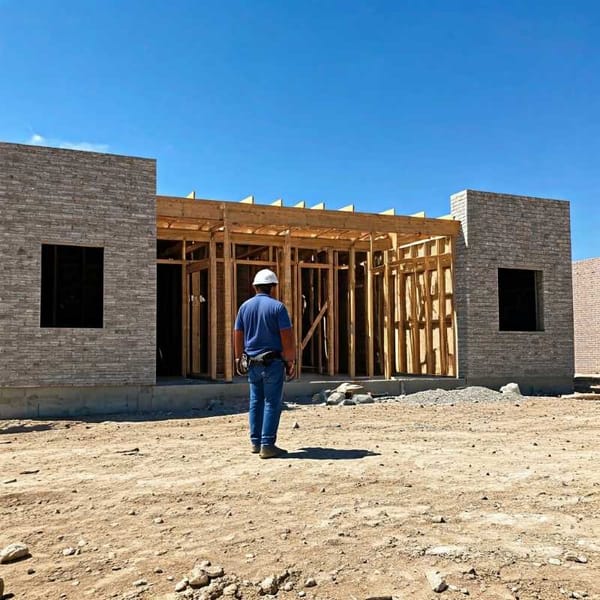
x=178 y=396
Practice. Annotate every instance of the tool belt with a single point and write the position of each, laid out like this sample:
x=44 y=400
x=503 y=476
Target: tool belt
x=265 y=359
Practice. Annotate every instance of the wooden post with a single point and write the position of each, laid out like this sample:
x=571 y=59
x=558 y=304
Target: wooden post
x=415 y=326
x=429 y=355
x=287 y=274
x=195 y=325
x=228 y=301
x=441 y=276
x=370 y=308
x=402 y=304
x=185 y=313
x=298 y=316
x=387 y=318
x=331 y=310
x=454 y=363
x=213 y=308
x=351 y=313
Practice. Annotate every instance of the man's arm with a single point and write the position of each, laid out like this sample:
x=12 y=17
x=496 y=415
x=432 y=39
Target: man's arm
x=238 y=343
x=289 y=350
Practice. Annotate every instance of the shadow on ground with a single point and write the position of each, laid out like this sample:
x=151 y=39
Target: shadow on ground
x=318 y=453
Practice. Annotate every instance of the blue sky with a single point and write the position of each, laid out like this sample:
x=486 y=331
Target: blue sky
x=381 y=104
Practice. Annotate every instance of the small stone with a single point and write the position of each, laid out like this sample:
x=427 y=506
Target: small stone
x=363 y=399
x=214 y=571
x=438 y=519
x=158 y=570
x=140 y=582
x=554 y=561
x=310 y=582
x=335 y=398
x=511 y=388
x=301 y=594
x=230 y=590
x=268 y=586
x=436 y=581
x=288 y=586
x=181 y=585
x=131 y=512
x=13 y=552
x=30 y=571
x=578 y=558
x=296 y=425
x=198 y=578
x=579 y=594
x=347 y=402
x=158 y=520
x=7 y=481
x=69 y=551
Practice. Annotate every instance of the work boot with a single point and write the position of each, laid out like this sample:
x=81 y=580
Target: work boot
x=255 y=449
x=271 y=452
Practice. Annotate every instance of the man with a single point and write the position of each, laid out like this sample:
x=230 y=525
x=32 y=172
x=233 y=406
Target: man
x=264 y=338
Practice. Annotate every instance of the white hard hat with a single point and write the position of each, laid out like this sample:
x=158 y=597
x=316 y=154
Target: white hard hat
x=265 y=277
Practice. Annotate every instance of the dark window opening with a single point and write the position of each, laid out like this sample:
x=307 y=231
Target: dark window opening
x=520 y=300
x=72 y=286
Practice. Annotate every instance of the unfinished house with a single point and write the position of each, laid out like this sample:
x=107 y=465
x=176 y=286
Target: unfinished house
x=111 y=293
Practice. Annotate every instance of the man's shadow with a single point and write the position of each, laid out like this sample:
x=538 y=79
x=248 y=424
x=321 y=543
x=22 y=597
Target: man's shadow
x=318 y=453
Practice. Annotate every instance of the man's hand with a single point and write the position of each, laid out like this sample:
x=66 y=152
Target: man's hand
x=290 y=369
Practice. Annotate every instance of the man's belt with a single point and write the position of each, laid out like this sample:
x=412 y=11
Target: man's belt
x=266 y=358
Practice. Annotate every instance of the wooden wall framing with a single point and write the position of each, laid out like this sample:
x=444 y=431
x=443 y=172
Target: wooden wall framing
x=369 y=295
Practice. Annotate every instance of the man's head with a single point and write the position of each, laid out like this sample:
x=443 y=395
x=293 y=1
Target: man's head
x=264 y=281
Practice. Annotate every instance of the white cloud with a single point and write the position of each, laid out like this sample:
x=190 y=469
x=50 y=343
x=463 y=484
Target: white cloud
x=39 y=140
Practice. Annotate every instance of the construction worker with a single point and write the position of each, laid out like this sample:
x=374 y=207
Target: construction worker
x=264 y=349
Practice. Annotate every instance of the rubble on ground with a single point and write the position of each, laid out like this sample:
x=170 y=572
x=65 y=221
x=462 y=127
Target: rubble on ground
x=348 y=395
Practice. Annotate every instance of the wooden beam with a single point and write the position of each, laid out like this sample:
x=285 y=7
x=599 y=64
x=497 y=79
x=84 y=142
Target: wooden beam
x=195 y=325
x=213 y=308
x=314 y=326
x=192 y=195
x=300 y=204
x=348 y=208
x=402 y=320
x=389 y=211
x=210 y=210
x=454 y=363
x=287 y=275
x=415 y=326
x=278 y=202
x=318 y=206
x=419 y=215
x=352 y=313
x=429 y=353
x=247 y=200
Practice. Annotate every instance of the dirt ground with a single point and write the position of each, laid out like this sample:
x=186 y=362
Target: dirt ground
x=501 y=498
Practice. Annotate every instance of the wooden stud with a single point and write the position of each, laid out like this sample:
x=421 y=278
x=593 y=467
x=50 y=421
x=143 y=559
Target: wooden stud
x=387 y=319
x=369 y=316
x=287 y=275
x=415 y=327
x=352 y=313
x=185 y=314
x=403 y=299
x=454 y=362
x=331 y=314
x=213 y=308
x=429 y=354
x=195 y=325
x=441 y=276
x=228 y=303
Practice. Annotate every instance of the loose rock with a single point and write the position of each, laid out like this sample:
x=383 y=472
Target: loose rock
x=14 y=552
x=198 y=577
x=140 y=582
x=436 y=581
x=214 y=571
x=268 y=586
x=181 y=585
x=511 y=388
x=310 y=582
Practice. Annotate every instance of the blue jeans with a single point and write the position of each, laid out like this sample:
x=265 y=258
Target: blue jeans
x=266 y=395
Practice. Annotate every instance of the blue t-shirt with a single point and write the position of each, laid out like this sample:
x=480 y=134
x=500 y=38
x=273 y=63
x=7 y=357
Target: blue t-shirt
x=261 y=318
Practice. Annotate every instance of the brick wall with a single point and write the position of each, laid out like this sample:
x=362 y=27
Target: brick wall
x=77 y=198
x=514 y=232
x=586 y=308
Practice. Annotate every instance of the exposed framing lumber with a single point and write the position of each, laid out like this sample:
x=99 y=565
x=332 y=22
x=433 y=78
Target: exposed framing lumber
x=441 y=277
x=331 y=314
x=387 y=319
x=352 y=312
x=369 y=315
x=185 y=314
x=213 y=308
x=314 y=325
x=228 y=305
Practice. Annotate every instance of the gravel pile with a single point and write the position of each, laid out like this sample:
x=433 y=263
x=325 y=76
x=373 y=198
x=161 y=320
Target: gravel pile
x=468 y=394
